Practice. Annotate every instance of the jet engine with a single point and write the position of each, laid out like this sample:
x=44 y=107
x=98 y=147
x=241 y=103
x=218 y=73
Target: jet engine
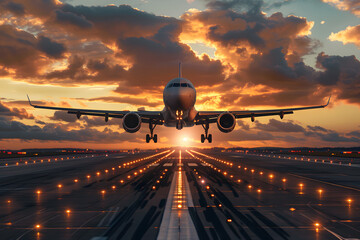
x=131 y=122
x=226 y=122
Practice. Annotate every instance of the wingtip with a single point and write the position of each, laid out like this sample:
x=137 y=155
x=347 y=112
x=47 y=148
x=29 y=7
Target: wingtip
x=328 y=101
x=29 y=100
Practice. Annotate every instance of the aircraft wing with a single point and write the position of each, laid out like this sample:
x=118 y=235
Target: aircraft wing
x=145 y=115
x=211 y=116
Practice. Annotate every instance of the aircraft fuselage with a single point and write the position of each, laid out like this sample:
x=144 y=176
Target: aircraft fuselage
x=179 y=99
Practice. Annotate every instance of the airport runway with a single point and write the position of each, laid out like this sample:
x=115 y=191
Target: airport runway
x=179 y=194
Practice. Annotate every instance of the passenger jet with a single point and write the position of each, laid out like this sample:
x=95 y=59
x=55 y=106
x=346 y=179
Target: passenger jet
x=179 y=98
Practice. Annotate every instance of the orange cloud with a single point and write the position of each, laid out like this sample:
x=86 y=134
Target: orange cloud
x=346 y=5
x=350 y=35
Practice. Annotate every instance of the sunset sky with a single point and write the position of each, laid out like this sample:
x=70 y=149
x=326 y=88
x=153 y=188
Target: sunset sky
x=239 y=54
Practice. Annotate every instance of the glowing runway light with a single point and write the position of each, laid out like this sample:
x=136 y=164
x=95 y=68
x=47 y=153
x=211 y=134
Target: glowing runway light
x=68 y=211
x=38 y=192
x=229 y=220
x=179 y=206
x=37 y=226
x=59 y=186
x=292 y=209
x=284 y=179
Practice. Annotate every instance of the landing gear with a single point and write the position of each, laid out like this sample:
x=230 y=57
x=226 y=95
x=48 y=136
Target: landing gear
x=206 y=136
x=179 y=125
x=152 y=135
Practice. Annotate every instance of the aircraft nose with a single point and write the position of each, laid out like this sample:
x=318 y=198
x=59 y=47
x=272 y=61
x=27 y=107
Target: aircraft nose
x=185 y=99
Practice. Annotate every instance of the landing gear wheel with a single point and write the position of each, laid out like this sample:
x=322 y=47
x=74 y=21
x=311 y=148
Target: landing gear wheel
x=150 y=136
x=155 y=138
x=202 y=138
x=210 y=138
x=206 y=135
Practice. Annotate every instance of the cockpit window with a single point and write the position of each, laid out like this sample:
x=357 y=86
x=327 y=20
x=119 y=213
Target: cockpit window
x=179 y=85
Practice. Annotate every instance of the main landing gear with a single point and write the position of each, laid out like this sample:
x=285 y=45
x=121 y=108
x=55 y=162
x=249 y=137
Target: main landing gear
x=151 y=136
x=206 y=136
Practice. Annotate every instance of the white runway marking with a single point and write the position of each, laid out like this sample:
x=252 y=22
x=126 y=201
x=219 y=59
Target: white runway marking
x=192 y=164
x=176 y=222
x=168 y=164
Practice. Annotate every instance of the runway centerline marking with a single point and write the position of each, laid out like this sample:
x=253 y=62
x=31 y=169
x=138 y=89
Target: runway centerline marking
x=176 y=222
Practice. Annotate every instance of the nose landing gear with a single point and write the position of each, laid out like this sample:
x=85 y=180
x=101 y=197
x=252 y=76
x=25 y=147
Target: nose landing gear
x=152 y=135
x=206 y=136
x=179 y=119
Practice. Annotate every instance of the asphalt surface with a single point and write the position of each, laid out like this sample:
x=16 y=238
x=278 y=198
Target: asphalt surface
x=234 y=196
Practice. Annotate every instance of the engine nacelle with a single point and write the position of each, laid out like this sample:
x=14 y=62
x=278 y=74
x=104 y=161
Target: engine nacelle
x=131 y=122
x=226 y=122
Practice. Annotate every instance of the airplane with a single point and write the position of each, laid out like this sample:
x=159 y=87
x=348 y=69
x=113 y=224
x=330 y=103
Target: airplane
x=179 y=98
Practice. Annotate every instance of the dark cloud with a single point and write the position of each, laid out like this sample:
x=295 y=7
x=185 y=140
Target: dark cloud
x=343 y=73
x=317 y=129
x=279 y=126
x=15 y=8
x=17 y=130
x=99 y=121
x=40 y=122
x=354 y=134
x=18 y=51
x=22 y=52
x=243 y=125
x=241 y=135
x=64 y=116
x=74 y=71
x=19 y=113
x=165 y=49
x=250 y=6
x=137 y=101
x=336 y=137
x=72 y=18
x=111 y=22
x=292 y=132
x=51 y=48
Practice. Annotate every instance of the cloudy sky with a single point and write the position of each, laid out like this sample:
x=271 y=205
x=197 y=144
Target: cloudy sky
x=239 y=54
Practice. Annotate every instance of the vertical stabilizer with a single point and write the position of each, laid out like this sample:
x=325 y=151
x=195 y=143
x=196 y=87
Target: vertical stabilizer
x=179 y=69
